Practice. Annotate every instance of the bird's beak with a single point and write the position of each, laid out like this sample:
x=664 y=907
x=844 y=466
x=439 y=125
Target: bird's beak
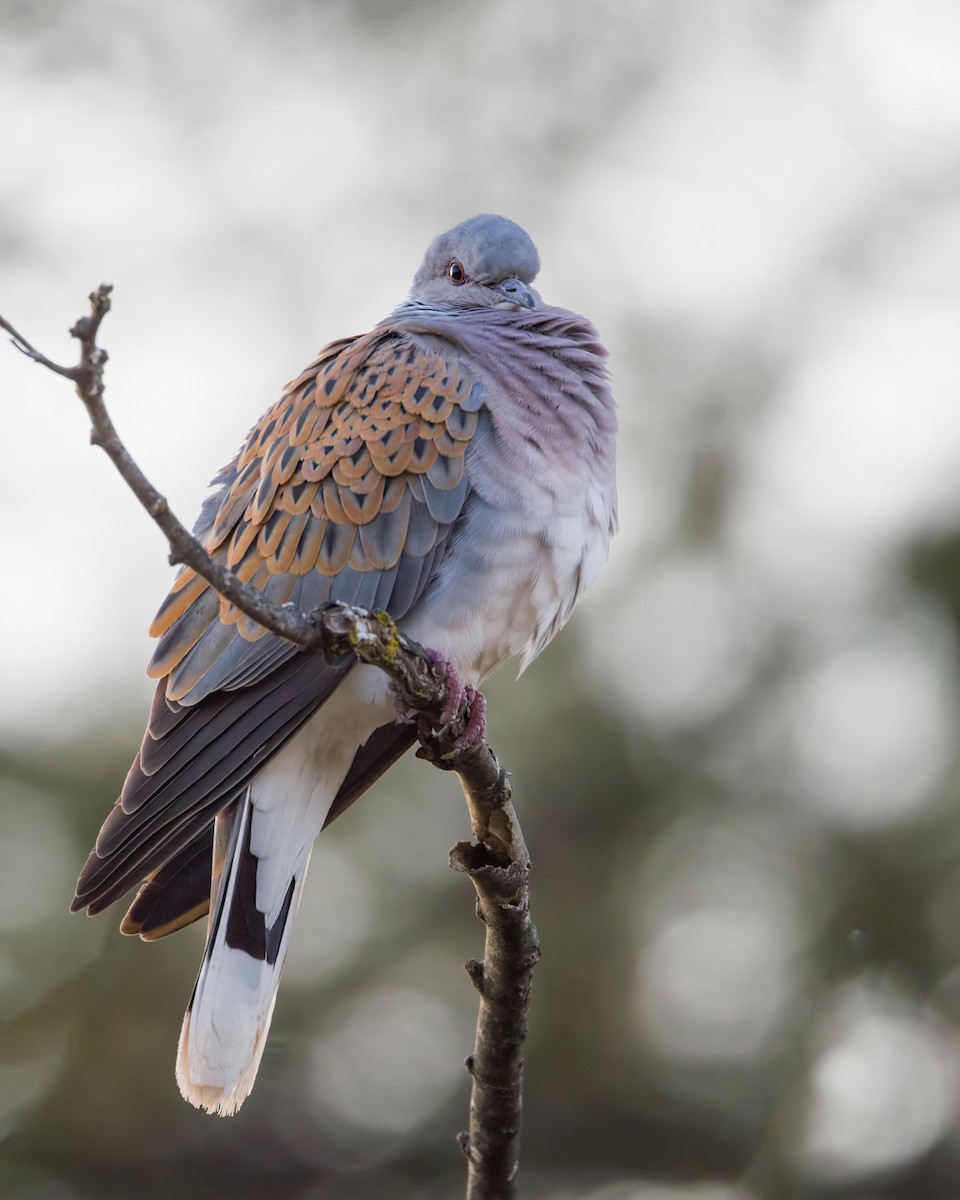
x=515 y=292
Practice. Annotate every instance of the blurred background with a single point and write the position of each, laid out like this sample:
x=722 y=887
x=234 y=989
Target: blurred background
x=737 y=769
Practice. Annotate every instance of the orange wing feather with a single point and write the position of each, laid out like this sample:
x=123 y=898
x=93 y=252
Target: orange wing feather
x=360 y=445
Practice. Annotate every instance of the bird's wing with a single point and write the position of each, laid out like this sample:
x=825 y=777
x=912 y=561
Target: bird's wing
x=347 y=489
x=178 y=893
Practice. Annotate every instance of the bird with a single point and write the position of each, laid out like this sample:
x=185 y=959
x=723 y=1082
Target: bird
x=454 y=467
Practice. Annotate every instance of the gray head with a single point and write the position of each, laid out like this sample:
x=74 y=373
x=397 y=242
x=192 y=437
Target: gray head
x=484 y=262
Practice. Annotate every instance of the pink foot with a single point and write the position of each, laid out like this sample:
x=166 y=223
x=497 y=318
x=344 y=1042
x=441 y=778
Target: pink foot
x=464 y=706
x=475 y=729
x=456 y=692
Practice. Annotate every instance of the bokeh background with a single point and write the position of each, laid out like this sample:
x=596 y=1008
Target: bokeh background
x=738 y=768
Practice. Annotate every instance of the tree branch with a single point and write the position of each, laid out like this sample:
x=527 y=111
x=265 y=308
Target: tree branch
x=499 y=867
x=497 y=863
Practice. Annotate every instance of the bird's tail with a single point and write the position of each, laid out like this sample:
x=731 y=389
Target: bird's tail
x=226 y=1022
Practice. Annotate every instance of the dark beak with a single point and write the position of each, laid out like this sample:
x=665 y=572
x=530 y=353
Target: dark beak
x=515 y=292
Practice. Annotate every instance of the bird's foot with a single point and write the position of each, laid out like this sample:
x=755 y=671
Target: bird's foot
x=463 y=722
x=475 y=725
x=453 y=686
x=454 y=691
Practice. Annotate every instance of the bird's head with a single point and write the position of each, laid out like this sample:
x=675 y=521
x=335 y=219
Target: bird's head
x=484 y=262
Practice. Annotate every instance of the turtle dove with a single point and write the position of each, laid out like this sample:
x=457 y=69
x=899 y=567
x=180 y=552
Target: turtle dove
x=456 y=467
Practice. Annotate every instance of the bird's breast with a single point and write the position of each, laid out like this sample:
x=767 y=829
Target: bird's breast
x=512 y=575
x=541 y=507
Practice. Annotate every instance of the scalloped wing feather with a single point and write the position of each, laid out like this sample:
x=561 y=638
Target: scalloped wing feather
x=360 y=462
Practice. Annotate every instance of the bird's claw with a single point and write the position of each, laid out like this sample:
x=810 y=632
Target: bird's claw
x=455 y=691
x=475 y=725
x=463 y=721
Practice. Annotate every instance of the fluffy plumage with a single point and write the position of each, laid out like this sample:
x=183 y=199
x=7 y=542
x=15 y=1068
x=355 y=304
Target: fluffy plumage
x=454 y=466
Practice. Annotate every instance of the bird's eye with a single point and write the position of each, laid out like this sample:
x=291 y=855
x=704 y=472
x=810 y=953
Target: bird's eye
x=456 y=272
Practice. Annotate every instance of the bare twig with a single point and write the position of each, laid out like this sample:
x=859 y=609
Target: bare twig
x=497 y=862
x=289 y=623
x=499 y=867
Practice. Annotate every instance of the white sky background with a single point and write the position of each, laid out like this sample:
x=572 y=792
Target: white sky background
x=762 y=180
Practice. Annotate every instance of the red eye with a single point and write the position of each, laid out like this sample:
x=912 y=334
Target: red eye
x=456 y=272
